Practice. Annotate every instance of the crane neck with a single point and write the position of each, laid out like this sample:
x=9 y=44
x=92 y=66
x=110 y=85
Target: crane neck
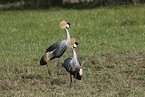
x=67 y=34
x=74 y=55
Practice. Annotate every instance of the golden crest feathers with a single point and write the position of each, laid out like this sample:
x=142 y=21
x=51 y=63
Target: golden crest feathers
x=71 y=42
x=63 y=24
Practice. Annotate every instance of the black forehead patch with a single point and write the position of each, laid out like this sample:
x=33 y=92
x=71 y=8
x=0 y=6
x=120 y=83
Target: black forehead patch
x=68 y=24
x=76 y=43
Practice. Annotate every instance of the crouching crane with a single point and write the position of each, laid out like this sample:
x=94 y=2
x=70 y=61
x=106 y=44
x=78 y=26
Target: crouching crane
x=73 y=65
x=56 y=50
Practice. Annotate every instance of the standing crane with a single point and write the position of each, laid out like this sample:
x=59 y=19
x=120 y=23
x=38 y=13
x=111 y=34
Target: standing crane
x=56 y=50
x=73 y=65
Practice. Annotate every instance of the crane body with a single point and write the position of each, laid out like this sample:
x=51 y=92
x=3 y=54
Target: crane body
x=56 y=50
x=73 y=66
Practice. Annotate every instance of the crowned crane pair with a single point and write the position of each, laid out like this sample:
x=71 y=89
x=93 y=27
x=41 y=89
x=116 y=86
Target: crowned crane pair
x=56 y=50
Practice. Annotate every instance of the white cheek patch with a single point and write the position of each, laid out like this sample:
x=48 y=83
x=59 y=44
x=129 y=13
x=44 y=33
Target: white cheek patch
x=81 y=72
x=75 y=45
x=67 y=26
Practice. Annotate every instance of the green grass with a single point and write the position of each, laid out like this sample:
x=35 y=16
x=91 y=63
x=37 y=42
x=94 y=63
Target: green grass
x=111 y=51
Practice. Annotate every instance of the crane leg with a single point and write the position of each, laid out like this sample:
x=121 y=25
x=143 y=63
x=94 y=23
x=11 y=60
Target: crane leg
x=70 y=81
x=48 y=70
x=58 y=67
x=75 y=76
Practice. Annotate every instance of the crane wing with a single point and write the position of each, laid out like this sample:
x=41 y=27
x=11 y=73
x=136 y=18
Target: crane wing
x=67 y=64
x=59 y=48
x=53 y=46
x=79 y=63
x=70 y=66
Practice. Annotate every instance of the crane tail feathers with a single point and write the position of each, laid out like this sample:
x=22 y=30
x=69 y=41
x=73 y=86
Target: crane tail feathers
x=79 y=77
x=43 y=61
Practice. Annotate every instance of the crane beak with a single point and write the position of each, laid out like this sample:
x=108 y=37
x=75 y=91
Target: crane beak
x=70 y=26
x=78 y=45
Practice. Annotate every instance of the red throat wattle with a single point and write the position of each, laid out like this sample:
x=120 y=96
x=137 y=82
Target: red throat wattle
x=74 y=49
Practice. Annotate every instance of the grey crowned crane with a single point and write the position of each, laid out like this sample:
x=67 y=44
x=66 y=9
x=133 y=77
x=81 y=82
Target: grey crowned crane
x=73 y=65
x=56 y=50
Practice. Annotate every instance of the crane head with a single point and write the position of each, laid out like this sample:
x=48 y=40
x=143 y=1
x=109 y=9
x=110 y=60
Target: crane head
x=76 y=45
x=68 y=25
x=64 y=25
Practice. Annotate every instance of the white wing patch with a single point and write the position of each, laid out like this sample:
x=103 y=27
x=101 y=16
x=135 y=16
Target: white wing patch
x=49 y=55
x=81 y=72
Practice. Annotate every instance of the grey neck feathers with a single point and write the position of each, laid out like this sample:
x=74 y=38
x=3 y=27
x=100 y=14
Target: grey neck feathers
x=67 y=34
x=74 y=55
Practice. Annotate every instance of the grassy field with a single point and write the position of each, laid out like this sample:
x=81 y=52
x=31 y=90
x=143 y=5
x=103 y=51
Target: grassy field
x=112 y=52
